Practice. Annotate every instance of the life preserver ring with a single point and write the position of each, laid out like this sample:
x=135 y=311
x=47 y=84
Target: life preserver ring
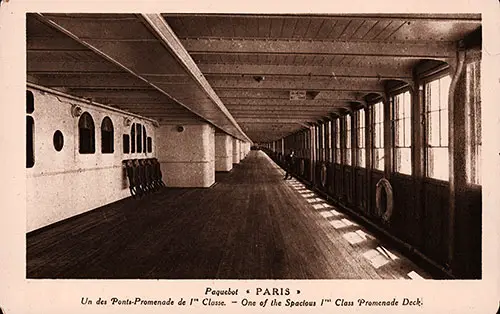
x=302 y=167
x=323 y=175
x=386 y=185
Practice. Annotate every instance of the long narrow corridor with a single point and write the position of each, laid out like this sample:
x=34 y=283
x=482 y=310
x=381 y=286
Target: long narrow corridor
x=251 y=225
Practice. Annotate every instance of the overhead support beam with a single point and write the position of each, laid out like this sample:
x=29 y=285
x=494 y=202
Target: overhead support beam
x=379 y=72
x=168 y=37
x=461 y=17
x=333 y=84
x=426 y=50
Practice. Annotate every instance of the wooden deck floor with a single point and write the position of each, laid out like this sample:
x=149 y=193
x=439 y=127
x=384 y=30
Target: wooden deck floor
x=251 y=225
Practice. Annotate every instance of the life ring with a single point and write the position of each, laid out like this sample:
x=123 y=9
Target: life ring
x=302 y=167
x=386 y=185
x=323 y=175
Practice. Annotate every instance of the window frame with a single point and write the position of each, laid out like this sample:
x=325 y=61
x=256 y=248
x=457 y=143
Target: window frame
x=360 y=137
x=377 y=125
x=425 y=112
x=338 y=141
x=132 y=139
x=138 y=134
x=348 y=139
x=394 y=129
x=110 y=147
x=92 y=135
x=126 y=143
x=30 y=130
x=149 y=141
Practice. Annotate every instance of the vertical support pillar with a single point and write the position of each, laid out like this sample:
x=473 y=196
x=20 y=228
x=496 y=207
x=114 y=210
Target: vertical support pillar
x=418 y=155
x=312 y=152
x=191 y=164
x=223 y=152
x=236 y=151
x=456 y=146
x=242 y=147
x=368 y=156
x=387 y=137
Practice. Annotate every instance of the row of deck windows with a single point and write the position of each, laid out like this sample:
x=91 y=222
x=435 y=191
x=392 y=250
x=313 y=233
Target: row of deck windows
x=333 y=138
x=139 y=143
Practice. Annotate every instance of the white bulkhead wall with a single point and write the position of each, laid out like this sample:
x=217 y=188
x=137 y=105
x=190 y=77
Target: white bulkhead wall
x=66 y=183
x=187 y=154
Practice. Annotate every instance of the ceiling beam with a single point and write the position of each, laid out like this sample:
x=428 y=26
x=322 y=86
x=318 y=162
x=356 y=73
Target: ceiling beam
x=333 y=84
x=231 y=102
x=254 y=96
x=34 y=66
x=299 y=118
x=425 y=50
x=381 y=72
x=52 y=43
x=459 y=17
x=278 y=113
x=234 y=108
x=89 y=80
x=274 y=120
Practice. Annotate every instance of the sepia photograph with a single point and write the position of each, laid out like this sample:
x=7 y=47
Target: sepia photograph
x=203 y=159
x=163 y=138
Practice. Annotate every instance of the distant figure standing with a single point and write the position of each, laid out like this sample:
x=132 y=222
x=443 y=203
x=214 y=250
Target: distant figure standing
x=289 y=161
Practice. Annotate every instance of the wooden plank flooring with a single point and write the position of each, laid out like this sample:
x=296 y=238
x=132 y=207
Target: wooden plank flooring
x=251 y=225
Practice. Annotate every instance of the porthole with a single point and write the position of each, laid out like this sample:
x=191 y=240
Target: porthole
x=58 y=140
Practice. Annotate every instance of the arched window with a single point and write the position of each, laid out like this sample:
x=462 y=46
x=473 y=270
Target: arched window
x=132 y=138
x=144 y=136
x=107 y=136
x=86 y=131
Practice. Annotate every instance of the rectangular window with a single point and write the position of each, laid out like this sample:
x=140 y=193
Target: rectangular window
x=378 y=136
x=138 y=133
x=337 y=141
x=132 y=139
x=401 y=106
x=348 y=148
x=126 y=144
x=360 y=131
x=436 y=117
x=30 y=137
x=316 y=143
x=473 y=123
x=329 y=141
x=323 y=142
